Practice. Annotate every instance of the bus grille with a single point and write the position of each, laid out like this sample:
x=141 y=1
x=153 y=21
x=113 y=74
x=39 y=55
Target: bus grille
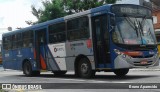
x=139 y=64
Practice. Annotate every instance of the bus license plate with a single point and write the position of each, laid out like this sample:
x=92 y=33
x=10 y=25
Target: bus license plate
x=143 y=62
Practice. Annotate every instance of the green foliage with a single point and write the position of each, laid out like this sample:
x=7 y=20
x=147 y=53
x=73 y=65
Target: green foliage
x=59 y=8
x=53 y=9
x=75 y=6
x=1 y=90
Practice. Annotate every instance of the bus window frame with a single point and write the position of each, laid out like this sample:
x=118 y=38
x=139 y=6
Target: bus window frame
x=30 y=38
x=57 y=33
x=88 y=28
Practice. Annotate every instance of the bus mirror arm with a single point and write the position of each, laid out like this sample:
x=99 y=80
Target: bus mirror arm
x=111 y=28
x=112 y=21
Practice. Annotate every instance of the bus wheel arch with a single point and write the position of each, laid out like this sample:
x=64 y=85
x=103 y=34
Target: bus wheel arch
x=27 y=69
x=79 y=62
x=24 y=61
x=121 y=72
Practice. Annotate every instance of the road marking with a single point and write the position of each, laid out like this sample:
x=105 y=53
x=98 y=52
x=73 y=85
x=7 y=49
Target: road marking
x=92 y=81
x=121 y=82
x=73 y=79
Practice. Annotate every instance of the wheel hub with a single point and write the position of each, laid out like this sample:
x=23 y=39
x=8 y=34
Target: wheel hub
x=84 y=68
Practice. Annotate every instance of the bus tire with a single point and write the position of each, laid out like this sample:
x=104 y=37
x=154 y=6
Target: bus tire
x=27 y=69
x=85 y=69
x=59 y=73
x=121 y=72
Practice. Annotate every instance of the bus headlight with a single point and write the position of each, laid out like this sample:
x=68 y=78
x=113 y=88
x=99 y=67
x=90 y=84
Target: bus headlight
x=123 y=55
x=117 y=51
x=120 y=53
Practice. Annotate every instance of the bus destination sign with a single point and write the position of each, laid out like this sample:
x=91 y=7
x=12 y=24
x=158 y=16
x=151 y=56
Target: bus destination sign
x=134 y=10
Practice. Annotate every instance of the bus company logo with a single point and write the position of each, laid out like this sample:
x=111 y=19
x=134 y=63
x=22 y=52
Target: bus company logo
x=58 y=49
x=55 y=49
x=6 y=86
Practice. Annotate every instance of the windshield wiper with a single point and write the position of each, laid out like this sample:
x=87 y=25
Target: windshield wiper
x=133 y=25
x=141 y=28
x=138 y=26
x=141 y=24
x=144 y=18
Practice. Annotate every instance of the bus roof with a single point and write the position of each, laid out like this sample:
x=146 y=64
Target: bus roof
x=36 y=26
x=62 y=19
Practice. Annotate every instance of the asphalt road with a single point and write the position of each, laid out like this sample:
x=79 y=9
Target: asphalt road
x=107 y=78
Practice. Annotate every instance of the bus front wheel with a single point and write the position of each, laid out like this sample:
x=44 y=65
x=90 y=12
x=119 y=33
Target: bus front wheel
x=85 y=69
x=121 y=72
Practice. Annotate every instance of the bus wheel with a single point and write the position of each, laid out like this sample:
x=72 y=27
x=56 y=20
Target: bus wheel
x=27 y=69
x=121 y=72
x=85 y=69
x=58 y=73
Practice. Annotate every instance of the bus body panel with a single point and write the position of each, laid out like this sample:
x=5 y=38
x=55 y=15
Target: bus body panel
x=17 y=56
x=76 y=48
x=58 y=52
x=51 y=62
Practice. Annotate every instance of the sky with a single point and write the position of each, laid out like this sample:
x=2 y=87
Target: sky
x=14 y=13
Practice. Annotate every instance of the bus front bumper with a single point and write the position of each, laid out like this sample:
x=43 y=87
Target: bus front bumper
x=129 y=62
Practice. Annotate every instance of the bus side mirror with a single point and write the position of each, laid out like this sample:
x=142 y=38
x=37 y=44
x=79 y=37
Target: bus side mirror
x=112 y=21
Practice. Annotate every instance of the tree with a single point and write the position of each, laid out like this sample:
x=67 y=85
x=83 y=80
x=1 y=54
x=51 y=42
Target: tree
x=53 y=9
x=75 y=6
x=59 y=8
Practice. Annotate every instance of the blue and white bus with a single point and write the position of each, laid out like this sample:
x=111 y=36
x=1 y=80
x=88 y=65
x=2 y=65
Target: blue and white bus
x=107 y=38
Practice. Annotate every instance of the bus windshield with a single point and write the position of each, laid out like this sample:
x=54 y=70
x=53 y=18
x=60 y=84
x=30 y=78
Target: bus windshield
x=131 y=30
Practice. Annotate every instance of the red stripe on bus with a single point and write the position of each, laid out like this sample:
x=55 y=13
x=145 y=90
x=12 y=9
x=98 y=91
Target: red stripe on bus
x=34 y=54
x=43 y=64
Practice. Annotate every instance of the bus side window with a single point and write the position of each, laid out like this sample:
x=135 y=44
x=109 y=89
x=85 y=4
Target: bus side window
x=5 y=43
x=14 y=41
x=27 y=38
x=78 y=28
x=19 y=40
x=57 y=33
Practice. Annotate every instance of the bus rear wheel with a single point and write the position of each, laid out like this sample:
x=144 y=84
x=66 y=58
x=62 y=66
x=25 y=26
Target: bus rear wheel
x=121 y=72
x=27 y=69
x=85 y=69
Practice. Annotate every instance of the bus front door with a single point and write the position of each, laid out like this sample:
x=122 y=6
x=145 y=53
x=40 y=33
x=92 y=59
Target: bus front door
x=101 y=41
x=40 y=44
